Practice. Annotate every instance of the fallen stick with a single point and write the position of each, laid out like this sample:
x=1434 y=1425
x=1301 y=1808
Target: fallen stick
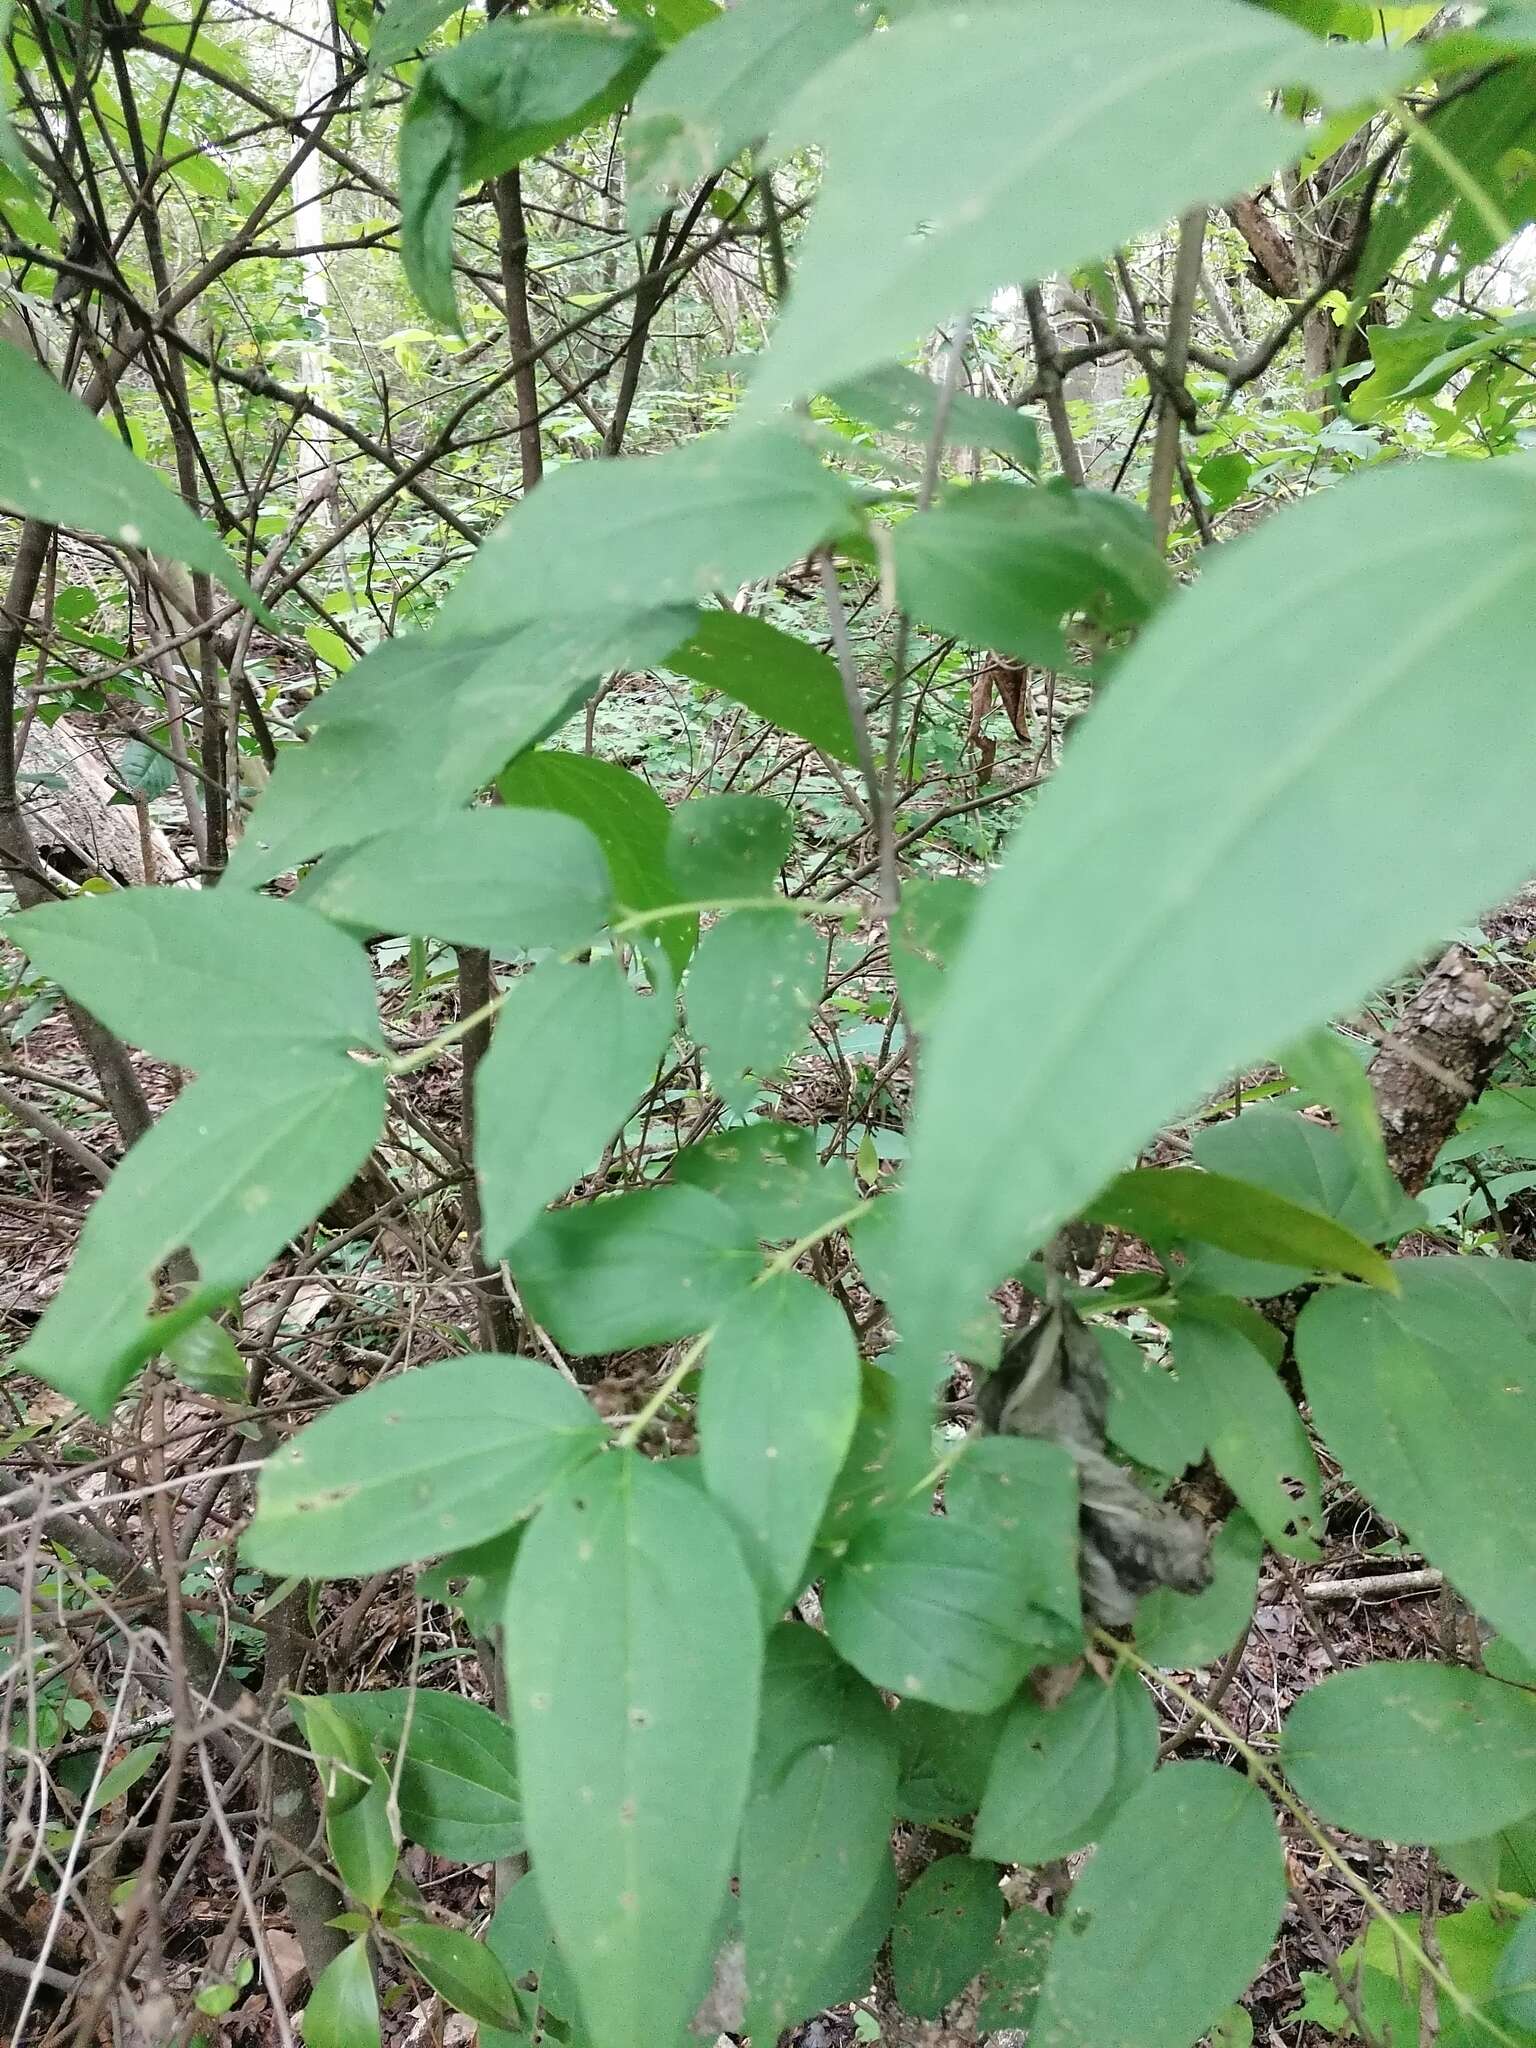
x=1382 y=1583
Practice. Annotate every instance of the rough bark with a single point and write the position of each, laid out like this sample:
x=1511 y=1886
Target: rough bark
x=1439 y=1058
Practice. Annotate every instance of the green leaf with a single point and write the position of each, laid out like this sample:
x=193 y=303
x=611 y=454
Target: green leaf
x=1011 y=1984
x=207 y=1359
x=206 y=978
x=1170 y=1205
x=520 y=1938
x=938 y=1608
x=814 y=1842
x=724 y=846
x=780 y=678
x=779 y=1399
x=1179 y=900
x=509 y=880
x=1000 y=565
x=458 y=1787
x=892 y=1448
x=1257 y=1439
x=946 y=1927
x=755 y=983
x=125 y=1774
x=1190 y=1880
x=1414 y=1752
x=421 y=723
x=1182 y=1631
x=404 y=26
x=633 y=1646
x=933 y=918
x=235 y=1167
x=343 y=2008
x=365 y=1842
x=900 y=401
x=1515 y=1979
x=945 y=1759
x=143 y=770
x=574 y=1049
x=59 y=464
x=723 y=88
x=641 y=1268
x=342 y=1752
x=511 y=91
x=620 y=540
x=1501 y=1120
x=626 y=817
x=1304 y=1162
x=1061 y=1773
x=772 y=1177
x=1153 y=1415
x=439 y=1457
x=1429 y=1400
x=462 y=1970
x=984 y=137
x=669 y=19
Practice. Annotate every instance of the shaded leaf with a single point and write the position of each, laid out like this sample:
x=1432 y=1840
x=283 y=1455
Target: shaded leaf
x=1414 y=1752
x=462 y=1970
x=771 y=1176
x=343 y=2008
x=1170 y=1205
x=1014 y=1974
x=574 y=1048
x=724 y=846
x=1153 y=1416
x=404 y=26
x=457 y=1783
x=436 y=1458
x=1180 y=899
x=1256 y=1437
x=755 y=983
x=782 y=679
x=777 y=1407
x=1305 y=1162
x=633 y=1644
x=945 y=1759
x=1060 y=1774
x=522 y=1941
x=901 y=401
x=1181 y=1631
x=1190 y=1880
x=639 y=1268
x=946 y=1927
x=933 y=918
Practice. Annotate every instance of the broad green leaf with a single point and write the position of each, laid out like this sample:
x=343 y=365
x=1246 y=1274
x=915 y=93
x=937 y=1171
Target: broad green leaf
x=1414 y=1752
x=724 y=846
x=1014 y=1974
x=772 y=1177
x=936 y=1608
x=814 y=1840
x=723 y=88
x=463 y=1971
x=207 y=1359
x=521 y=1940
x=633 y=1646
x=236 y=1166
x=620 y=540
x=148 y=774
x=1060 y=1774
x=850 y=1971
x=1001 y=564
x=1153 y=1415
x=755 y=983
x=1515 y=1979
x=876 y=1237
x=59 y=464
x=1257 y=1439
x=573 y=1050
x=641 y=1268
x=934 y=916
x=1172 y=906
x=777 y=1407
x=458 y=1780
x=1501 y=1120
x=423 y=722
x=1429 y=1399
x=343 y=2008
x=404 y=26
x=1190 y=1881
x=955 y=124
x=1182 y=1631
x=892 y=1449
x=510 y=91
x=782 y=679
x=204 y=977
x=508 y=880
x=626 y=817
x=945 y=1931
x=342 y=1751
x=900 y=401
x=364 y=1841
x=125 y=1774
x=1171 y=1205
x=439 y=1457
x=945 y=1759
x=1024 y=1491
x=1304 y=1162
x=669 y=19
